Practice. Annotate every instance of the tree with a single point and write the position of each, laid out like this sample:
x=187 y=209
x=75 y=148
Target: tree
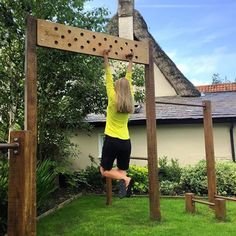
x=216 y=79
x=69 y=84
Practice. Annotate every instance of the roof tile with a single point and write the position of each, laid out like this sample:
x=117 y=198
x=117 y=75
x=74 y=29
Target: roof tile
x=217 y=88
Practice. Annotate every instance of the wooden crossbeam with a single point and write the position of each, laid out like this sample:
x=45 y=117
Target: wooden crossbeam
x=59 y=36
x=226 y=198
x=203 y=202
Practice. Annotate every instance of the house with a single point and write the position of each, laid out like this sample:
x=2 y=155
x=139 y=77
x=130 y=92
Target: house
x=180 y=133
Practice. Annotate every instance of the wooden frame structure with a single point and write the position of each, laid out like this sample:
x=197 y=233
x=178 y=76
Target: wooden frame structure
x=22 y=181
x=209 y=144
x=218 y=205
x=215 y=201
x=22 y=169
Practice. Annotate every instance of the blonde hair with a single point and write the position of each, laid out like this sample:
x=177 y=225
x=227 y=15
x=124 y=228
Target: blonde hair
x=124 y=98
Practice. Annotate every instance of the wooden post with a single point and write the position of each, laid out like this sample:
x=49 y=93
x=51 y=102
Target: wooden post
x=19 y=189
x=109 y=191
x=209 y=149
x=220 y=209
x=154 y=192
x=189 y=203
x=31 y=110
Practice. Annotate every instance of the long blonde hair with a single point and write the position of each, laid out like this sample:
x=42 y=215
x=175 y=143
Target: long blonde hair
x=124 y=98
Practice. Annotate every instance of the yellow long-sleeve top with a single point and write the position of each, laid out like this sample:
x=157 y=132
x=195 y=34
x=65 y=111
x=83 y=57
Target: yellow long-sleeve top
x=116 y=122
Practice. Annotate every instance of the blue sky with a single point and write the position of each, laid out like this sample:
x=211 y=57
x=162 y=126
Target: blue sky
x=198 y=35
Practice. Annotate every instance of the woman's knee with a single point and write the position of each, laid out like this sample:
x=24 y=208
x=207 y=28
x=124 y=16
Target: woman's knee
x=103 y=172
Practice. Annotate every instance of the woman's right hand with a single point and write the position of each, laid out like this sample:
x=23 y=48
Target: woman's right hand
x=106 y=52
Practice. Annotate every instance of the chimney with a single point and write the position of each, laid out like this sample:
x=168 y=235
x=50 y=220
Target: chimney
x=125 y=15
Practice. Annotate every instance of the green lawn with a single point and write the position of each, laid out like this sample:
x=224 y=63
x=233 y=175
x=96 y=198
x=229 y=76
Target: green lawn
x=89 y=215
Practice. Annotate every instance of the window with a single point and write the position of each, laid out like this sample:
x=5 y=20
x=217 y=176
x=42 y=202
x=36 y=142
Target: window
x=101 y=138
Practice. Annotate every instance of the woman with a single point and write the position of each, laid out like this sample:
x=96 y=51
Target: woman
x=117 y=143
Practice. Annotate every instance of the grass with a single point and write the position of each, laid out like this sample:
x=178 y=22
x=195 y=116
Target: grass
x=89 y=216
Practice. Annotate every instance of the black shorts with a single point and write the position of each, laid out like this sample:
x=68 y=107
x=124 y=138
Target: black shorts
x=115 y=148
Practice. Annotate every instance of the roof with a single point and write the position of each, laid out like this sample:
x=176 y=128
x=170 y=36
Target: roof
x=217 y=87
x=223 y=108
x=173 y=75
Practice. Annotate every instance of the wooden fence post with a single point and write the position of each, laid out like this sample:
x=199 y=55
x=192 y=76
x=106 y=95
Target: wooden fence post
x=220 y=209
x=19 y=189
x=189 y=203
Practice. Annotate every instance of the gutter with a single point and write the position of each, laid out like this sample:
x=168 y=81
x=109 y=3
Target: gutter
x=231 y=133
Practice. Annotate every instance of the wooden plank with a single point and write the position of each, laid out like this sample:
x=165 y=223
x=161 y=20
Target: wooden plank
x=75 y=39
x=204 y=202
x=220 y=209
x=154 y=192
x=209 y=150
x=19 y=222
x=180 y=104
x=139 y=158
x=226 y=198
x=189 y=203
x=109 y=191
x=31 y=110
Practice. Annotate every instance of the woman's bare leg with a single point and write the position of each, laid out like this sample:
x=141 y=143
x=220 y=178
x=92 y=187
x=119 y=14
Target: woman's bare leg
x=116 y=174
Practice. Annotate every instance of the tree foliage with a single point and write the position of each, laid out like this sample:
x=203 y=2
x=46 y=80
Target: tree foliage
x=69 y=84
x=217 y=79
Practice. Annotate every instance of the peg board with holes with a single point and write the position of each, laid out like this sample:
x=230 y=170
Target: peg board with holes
x=75 y=39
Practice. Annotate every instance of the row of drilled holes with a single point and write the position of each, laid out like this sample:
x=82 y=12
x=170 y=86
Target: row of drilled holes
x=99 y=44
x=94 y=37
x=94 y=49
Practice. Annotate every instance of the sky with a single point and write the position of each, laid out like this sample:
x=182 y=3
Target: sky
x=198 y=35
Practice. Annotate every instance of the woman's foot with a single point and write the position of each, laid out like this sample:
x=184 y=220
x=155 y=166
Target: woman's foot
x=122 y=188
x=129 y=188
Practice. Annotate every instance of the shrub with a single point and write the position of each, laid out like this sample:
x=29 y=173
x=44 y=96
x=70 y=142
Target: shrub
x=3 y=194
x=45 y=181
x=140 y=177
x=194 y=179
x=169 y=188
x=226 y=178
x=169 y=170
x=88 y=179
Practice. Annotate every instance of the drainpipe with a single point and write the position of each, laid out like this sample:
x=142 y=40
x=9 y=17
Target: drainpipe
x=231 y=132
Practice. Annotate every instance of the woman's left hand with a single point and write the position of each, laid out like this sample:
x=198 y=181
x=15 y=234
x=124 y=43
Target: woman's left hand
x=129 y=56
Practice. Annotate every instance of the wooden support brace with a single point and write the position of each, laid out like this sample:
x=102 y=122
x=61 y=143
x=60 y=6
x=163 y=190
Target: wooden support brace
x=31 y=110
x=220 y=209
x=209 y=150
x=109 y=191
x=226 y=198
x=19 y=191
x=74 y=39
x=154 y=185
x=189 y=203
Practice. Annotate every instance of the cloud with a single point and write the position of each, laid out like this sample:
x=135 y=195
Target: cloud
x=199 y=69
x=173 y=5
x=171 y=54
x=171 y=32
